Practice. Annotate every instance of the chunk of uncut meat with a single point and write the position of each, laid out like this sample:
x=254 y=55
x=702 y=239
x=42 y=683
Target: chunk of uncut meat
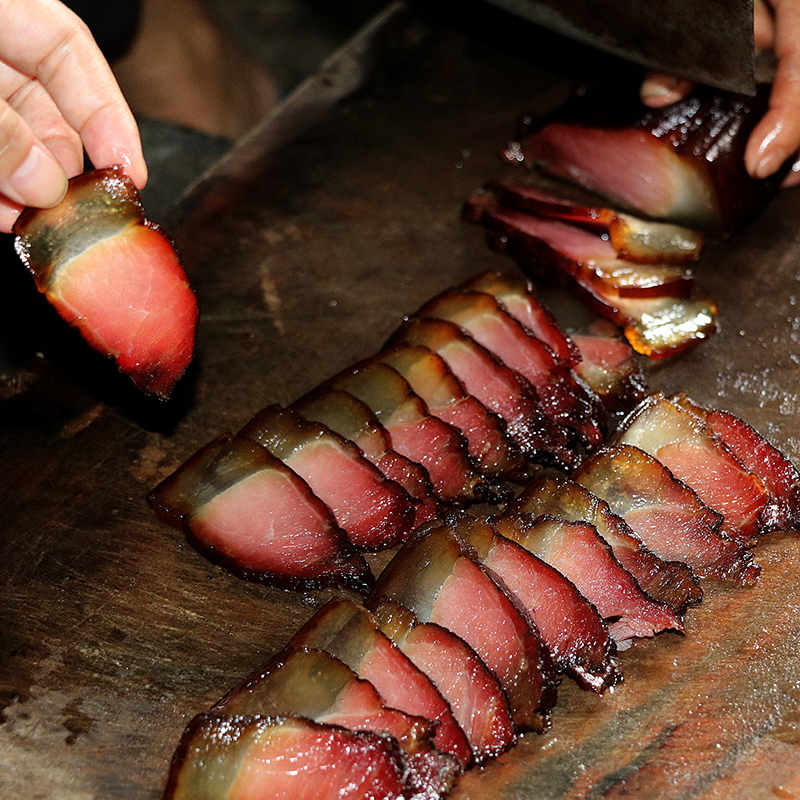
x=665 y=513
x=115 y=276
x=478 y=702
x=684 y=444
x=261 y=758
x=243 y=508
x=427 y=373
x=577 y=551
x=683 y=163
x=670 y=582
x=659 y=308
x=414 y=432
x=518 y=297
x=434 y=576
x=354 y=420
x=634 y=239
x=779 y=476
x=316 y=685
x=575 y=635
x=374 y=512
x=349 y=632
x=499 y=388
x=488 y=323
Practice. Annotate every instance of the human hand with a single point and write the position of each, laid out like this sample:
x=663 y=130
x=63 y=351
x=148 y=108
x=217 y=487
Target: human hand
x=58 y=97
x=777 y=135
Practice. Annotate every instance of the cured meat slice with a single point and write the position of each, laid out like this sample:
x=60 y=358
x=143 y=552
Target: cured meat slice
x=572 y=630
x=349 y=632
x=682 y=442
x=670 y=582
x=115 y=276
x=609 y=367
x=316 y=685
x=261 y=758
x=434 y=576
x=577 y=551
x=495 y=385
x=415 y=433
x=243 y=508
x=478 y=702
x=375 y=513
x=489 y=324
x=634 y=239
x=427 y=373
x=683 y=163
x=349 y=417
x=665 y=514
x=780 y=477
x=660 y=311
x=518 y=297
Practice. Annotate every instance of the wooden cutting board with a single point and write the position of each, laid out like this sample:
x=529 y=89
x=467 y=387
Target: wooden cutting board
x=307 y=245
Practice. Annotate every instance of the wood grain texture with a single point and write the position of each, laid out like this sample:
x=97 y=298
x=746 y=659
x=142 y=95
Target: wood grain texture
x=307 y=245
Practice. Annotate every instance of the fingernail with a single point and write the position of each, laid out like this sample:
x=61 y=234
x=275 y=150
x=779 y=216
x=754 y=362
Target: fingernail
x=39 y=181
x=662 y=87
x=769 y=162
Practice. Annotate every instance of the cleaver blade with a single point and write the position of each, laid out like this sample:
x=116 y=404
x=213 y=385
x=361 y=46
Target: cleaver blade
x=704 y=41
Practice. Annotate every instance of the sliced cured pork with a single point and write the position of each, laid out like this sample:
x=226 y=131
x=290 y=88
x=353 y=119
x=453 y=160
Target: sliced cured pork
x=375 y=513
x=434 y=576
x=115 y=276
x=572 y=630
x=683 y=442
x=670 y=582
x=245 y=509
x=665 y=513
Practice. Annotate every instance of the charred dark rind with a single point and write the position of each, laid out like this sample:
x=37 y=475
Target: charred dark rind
x=708 y=129
x=656 y=327
x=442 y=655
x=670 y=582
x=213 y=747
x=630 y=481
x=219 y=466
x=762 y=458
x=420 y=577
x=587 y=651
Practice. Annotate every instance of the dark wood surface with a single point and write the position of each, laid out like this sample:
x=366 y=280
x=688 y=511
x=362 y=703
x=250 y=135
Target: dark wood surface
x=307 y=245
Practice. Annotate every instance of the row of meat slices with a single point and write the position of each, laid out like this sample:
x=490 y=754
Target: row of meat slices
x=461 y=640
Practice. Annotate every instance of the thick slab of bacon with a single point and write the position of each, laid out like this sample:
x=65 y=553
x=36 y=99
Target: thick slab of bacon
x=434 y=576
x=659 y=308
x=349 y=632
x=375 y=513
x=609 y=367
x=665 y=513
x=518 y=297
x=353 y=419
x=683 y=442
x=478 y=702
x=488 y=323
x=670 y=582
x=577 y=551
x=633 y=239
x=115 y=276
x=316 y=685
x=499 y=388
x=779 y=476
x=427 y=373
x=683 y=163
x=261 y=758
x=575 y=635
x=242 y=507
x=414 y=432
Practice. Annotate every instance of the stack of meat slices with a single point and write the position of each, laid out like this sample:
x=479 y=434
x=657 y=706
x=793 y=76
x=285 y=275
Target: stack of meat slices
x=632 y=271
x=478 y=389
x=458 y=647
